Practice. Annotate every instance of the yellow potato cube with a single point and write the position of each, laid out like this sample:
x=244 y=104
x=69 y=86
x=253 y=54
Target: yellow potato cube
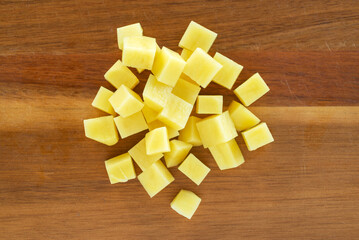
x=101 y=129
x=187 y=90
x=185 y=203
x=257 y=136
x=190 y=133
x=194 y=169
x=156 y=93
x=168 y=66
x=216 y=129
x=175 y=113
x=130 y=125
x=197 y=36
x=157 y=141
x=149 y=114
x=139 y=52
x=201 y=67
x=155 y=178
x=229 y=73
x=185 y=54
x=120 y=168
x=227 y=155
x=251 y=90
x=178 y=153
x=126 y=102
x=131 y=30
x=157 y=124
x=101 y=101
x=138 y=153
x=242 y=118
x=119 y=74
x=140 y=70
x=209 y=104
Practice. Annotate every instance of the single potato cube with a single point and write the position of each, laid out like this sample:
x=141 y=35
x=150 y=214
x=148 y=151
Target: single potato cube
x=149 y=114
x=138 y=153
x=190 y=133
x=257 y=136
x=168 y=66
x=251 y=90
x=120 y=168
x=178 y=153
x=139 y=52
x=194 y=169
x=187 y=90
x=157 y=141
x=229 y=73
x=243 y=119
x=185 y=203
x=140 y=70
x=209 y=104
x=201 y=67
x=119 y=75
x=216 y=129
x=227 y=155
x=130 y=125
x=197 y=36
x=157 y=124
x=175 y=113
x=185 y=54
x=101 y=101
x=155 y=178
x=126 y=102
x=132 y=30
x=156 y=93
x=101 y=129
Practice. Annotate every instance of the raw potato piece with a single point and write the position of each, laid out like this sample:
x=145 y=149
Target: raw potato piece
x=101 y=129
x=157 y=141
x=197 y=36
x=194 y=169
x=131 y=125
x=257 y=136
x=229 y=73
x=190 y=133
x=227 y=155
x=209 y=104
x=149 y=114
x=242 y=118
x=131 y=30
x=126 y=102
x=101 y=101
x=187 y=90
x=119 y=74
x=155 y=178
x=138 y=153
x=155 y=93
x=251 y=90
x=185 y=54
x=201 y=67
x=185 y=203
x=178 y=153
x=157 y=124
x=120 y=168
x=139 y=52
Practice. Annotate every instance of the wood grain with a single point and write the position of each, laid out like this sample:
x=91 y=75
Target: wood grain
x=305 y=185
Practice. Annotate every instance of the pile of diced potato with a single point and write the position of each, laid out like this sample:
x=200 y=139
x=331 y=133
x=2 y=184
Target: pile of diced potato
x=165 y=108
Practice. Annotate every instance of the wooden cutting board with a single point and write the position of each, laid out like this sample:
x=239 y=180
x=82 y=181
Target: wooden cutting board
x=305 y=185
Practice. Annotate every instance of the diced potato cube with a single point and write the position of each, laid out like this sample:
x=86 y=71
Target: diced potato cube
x=209 y=104
x=101 y=129
x=201 y=67
x=140 y=70
x=149 y=114
x=251 y=90
x=126 y=102
x=185 y=203
x=242 y=118
x=168 y=66
x=197 y=36
x=120 y=168
x=187 y=90
x=216 y=129
x=257 y=136
x=157 y=124
x=101 y=101
x=155 y=178
x=139 y=52
x=138 y=153
x=178 y=153
x=190 y=133
x=119 y=74
x=194 y=169
x=156 y=93
x=157 y=141
x=185 y=54
x=227 y=155
x=175 y=113
x=131 y=30
x=130 y=125
x=229 y=73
